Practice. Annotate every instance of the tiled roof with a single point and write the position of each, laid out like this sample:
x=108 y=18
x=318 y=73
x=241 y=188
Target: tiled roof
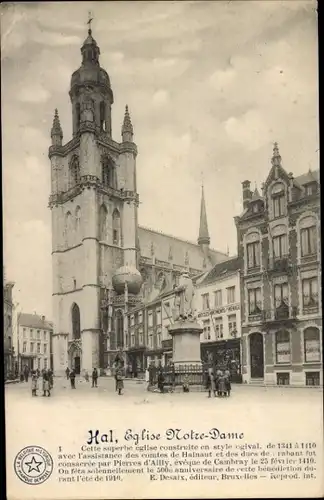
x=34 y=321
x=222 y=269
x=310 y=176
x=166 y=245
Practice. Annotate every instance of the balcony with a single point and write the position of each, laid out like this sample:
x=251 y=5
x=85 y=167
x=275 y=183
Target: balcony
x=282 y=314
x=310 y=304
x=305 y=259
x=279 y=264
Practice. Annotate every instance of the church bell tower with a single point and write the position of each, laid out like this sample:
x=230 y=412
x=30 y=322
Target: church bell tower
x=94 y=205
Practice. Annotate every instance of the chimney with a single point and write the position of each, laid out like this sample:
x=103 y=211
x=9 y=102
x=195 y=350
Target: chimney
x=43 y=319
x=247 y=193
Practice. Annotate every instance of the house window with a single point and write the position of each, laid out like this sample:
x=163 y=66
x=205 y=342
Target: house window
x=39 y=363
x=25 y=347
x=132 y=340
x=206 y=327
x=150 y=339
x=32 y=347
x=205 y=301
x=280 y=246
x=312 y=347
x=158 y=317
x=281 y=295
x=38 y=348
x=45 y=363
x=132 y=320
x=283 y=354
x=279 y=203
x=150 y=319
x=253 y=254
x=158 y=338
x=232 y=325
x=24 y=333
x=141 y=337
x=308 y=241
x=44 y=335
x=312 y=378
x=38 y=334
x=31 y=334
x=254 y=301
x=140 y=317
x=231 y=294
x=218 y=298
x=219 y=327
x=310 y=292
x=45 y=348
x=283 y=378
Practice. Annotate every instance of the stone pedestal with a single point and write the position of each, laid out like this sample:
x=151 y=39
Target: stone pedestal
x=186 y=343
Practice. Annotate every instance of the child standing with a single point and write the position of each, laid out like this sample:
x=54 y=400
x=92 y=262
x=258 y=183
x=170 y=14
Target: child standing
x=119 y=382
x=46 y=384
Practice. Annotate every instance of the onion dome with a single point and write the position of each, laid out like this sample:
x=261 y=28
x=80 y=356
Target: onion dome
x=129 y=275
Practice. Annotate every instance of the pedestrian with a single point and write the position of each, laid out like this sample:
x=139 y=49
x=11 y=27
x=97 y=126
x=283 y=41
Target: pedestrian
x=72 y=379
x=26 y=373
x=67 y=371
x=86 y=376
x=34 y=383
x=50 y=379
x=147 y=379
x=161 y=380
x=37 y=373
x=227 y=375
x=94 y=378
x=185 y=384
x=119 y=382
x=46 y=384
x=221 y=389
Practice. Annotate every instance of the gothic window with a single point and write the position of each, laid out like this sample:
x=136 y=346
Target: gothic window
x=68 y=229
x=107 y=173
x=74 y=171
x=120 y=328
x=76 y=328
x=116 y=227
x=78 y=221
x=161 y=281
x=278 y=200
x=103 y=222
x=102 y=117
x=78 y=114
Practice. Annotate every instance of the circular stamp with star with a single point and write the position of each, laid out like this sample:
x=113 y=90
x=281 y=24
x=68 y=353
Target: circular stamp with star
x=33 y=465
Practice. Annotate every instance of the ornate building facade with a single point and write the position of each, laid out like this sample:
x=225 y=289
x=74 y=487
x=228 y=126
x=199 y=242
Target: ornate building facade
x=34 y=342
x=104 y=263
x=8 y=349
x=279 y=244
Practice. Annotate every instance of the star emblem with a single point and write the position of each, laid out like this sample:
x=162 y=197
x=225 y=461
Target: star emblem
x=33 y=465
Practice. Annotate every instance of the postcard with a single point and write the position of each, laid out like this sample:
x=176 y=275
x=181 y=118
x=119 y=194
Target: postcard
x=162 y=250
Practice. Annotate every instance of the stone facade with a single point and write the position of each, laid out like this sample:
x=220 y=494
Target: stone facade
x=278 y=237
x=8 y=349
x=34 y=342
x=94 y=204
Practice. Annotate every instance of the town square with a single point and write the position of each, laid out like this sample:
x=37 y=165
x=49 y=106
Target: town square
x=107 y=307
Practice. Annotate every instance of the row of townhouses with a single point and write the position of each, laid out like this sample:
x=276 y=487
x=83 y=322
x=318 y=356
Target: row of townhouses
x=8 y=348
x=261 y=310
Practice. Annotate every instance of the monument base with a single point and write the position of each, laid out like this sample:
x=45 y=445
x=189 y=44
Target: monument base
x=186 y=343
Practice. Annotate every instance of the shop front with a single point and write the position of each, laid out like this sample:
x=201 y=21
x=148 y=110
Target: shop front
x=135 y=364
x=224 y=354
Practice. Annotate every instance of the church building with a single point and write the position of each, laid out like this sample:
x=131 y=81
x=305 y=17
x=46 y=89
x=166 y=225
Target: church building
x=104 y=263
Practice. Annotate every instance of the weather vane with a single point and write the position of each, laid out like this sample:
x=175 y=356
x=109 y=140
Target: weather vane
x=90 y=19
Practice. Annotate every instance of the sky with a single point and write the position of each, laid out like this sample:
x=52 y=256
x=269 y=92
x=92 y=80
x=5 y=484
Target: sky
x=210 y=86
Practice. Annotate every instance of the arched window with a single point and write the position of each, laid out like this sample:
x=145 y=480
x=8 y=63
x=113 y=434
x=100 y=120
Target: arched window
x=279 y=242
x=120 y=328
x=312 y=345
x=102 y=116
x=76 y=323
x=253 y=250
x=116 y=227
x=308 y=236
x=103 y=223
x=161 y=281
x=283 y=350
x=78 y=222
x=78 y=114
x=68 y=229
x=107 y=173
x=279 y=203
x=74 y=171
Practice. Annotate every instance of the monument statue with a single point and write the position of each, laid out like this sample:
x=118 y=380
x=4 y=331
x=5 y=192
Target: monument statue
x=183 y=301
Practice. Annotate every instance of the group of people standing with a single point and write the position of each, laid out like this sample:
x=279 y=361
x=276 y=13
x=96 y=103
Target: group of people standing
x=70 y=375
x=46 y=384
x=218 y=381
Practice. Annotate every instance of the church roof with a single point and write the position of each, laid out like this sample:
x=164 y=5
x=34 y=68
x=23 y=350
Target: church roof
x=175 y=250
x=34 y=321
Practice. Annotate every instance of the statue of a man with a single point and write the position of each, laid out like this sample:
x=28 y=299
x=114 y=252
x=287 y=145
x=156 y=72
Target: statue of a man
x=184 y=297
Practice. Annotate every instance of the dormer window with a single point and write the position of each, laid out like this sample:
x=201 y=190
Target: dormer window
x=278 y=200
x=310 y=188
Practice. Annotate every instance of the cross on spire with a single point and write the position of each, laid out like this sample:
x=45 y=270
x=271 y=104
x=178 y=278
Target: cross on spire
x=90 y=19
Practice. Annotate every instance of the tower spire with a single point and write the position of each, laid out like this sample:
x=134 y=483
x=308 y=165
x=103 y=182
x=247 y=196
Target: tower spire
x=276 y=158
x=56 y=131
x=127 y=127
x=203 y=238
